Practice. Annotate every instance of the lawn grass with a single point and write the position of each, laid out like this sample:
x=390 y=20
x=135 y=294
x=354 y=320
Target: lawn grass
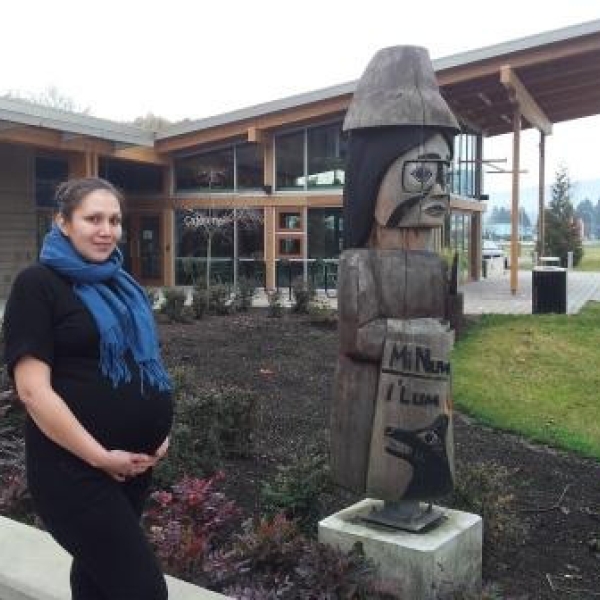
x=591 y=257
x=537 y=375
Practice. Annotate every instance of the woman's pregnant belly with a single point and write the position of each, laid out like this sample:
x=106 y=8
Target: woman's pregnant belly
x=123 y=418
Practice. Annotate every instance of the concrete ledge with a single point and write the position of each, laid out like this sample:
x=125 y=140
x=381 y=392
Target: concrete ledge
x=34 y=567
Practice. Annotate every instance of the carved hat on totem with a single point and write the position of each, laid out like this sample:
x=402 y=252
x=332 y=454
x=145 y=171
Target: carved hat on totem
x=399 y=87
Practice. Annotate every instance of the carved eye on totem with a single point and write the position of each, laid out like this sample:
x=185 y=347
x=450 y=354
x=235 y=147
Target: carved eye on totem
x=422 y=174
x=430 y=438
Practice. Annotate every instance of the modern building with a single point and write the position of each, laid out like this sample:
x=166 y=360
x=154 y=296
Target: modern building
x=259 y=190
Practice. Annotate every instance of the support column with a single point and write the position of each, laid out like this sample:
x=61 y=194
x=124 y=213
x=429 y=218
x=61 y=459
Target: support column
x=267 y=142
x=514 y=230
x=83 y=164
x=168 y=257
x=526 y=106
x=475 y=247
x=305 y=244
x=168 y=219
x=270 y=247
x=542 y=193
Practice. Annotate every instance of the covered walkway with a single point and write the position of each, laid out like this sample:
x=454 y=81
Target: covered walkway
x=493 y=295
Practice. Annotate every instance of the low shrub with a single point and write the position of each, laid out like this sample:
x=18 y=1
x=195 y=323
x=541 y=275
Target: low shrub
x=210 y=424
x=185 y=523
x=482 y=488
x=173 y=306
x=219 y=299
x=302 y=293
x=271 y=559
x=322 y=315
x=245 y=293
x=15 y=500
x=154 y=297
x=199 y=302
x=297 y=491
x=275 y=303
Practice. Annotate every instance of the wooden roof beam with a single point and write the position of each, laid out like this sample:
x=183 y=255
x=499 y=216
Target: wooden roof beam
x=529 y=108
x=255 y=135
x=140 y=154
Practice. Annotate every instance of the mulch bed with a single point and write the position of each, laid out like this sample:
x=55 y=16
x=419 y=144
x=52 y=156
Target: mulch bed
x=553 y=550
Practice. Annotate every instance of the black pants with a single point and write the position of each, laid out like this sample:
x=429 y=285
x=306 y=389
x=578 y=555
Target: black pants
x=97 y=520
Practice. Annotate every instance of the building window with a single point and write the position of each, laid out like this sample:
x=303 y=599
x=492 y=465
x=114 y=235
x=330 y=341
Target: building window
x=198 y=229
x=234 y=168
x=210 y=171
x=289 y=161
x=326 y=156
x=49 y=173
x=325 y=227
x=457 y=239
x=131 y=177
x=290 y=247
x=249 y=167
x=310 y=158
x=463 y=175
x=290 y=220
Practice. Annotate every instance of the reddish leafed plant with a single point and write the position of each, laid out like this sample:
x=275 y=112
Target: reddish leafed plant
x=185 y=523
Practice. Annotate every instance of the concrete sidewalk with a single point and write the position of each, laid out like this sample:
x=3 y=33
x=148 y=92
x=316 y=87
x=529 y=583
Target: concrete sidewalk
x=493 y=295
x=486 y=296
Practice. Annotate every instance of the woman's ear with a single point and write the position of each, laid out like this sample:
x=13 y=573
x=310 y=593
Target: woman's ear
x=61 y=223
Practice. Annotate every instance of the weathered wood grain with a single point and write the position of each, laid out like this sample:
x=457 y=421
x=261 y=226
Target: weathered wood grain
x=387 y=297
x=413 y=391
x=352 y=421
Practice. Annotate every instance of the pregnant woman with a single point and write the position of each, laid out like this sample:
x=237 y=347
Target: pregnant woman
x=81 y=345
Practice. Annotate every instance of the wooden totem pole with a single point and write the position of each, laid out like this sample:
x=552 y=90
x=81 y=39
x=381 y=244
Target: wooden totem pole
x=391 y=421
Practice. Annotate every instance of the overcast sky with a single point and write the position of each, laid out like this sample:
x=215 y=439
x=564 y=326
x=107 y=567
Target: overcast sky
x=194 y=59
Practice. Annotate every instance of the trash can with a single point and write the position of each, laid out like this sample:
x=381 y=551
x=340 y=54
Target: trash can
x=549 y=290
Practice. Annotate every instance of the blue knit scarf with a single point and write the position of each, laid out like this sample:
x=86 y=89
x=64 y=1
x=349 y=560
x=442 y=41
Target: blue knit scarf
x=121 y=311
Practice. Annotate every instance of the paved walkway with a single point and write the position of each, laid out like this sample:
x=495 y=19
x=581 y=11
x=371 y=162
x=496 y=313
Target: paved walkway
x=488 y=296
x=492 y=295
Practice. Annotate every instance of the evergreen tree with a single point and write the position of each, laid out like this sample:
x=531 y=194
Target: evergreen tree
x=561 y=233
x=596 y=229
x=585 y=212
x=500 y=215
x=524 y=219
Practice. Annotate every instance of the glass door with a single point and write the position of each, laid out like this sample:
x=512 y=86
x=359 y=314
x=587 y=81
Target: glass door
x=150 y=258
x=144 y=248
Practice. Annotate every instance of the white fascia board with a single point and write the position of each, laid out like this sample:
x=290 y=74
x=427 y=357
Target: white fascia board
x=518 y=45
x=439 y=64
x=26 y=113
x=258 y=110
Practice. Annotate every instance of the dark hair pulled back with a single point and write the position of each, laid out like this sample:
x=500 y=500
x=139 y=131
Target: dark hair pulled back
x=70 y=194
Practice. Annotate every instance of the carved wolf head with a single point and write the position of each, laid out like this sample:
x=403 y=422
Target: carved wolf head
x=425 y=450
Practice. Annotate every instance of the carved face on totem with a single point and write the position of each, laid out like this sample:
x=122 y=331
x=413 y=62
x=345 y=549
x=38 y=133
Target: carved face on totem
x=414 y=191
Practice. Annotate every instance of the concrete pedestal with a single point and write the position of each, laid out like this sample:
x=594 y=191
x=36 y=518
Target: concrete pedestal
x=424 y=566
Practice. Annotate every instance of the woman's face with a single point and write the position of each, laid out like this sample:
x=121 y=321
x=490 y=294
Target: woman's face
x=94 y=228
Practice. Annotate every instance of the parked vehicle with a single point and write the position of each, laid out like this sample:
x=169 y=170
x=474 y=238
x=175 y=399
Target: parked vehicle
x=491 y=250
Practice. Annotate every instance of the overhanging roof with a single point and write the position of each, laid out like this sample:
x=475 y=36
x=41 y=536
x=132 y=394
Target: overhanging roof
x=19 y=112
x=560 y=69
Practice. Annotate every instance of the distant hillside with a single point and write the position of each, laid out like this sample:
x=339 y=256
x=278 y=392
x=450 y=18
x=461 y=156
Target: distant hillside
x=589 y=188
